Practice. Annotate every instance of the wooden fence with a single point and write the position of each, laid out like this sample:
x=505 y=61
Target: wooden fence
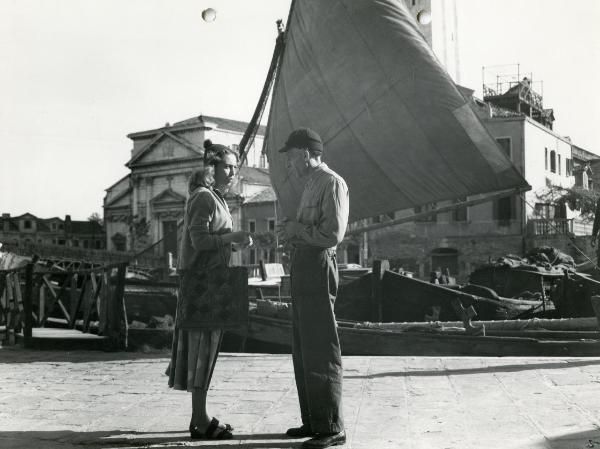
x=89 y=300
x=73 y=258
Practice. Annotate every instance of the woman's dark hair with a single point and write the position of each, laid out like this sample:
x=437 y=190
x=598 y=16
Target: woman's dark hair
x=213 y=154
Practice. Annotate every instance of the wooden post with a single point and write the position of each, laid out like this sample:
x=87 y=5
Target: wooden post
x=20 y=310
x=4 y=304
x=75 y=310
x=73 y=298
x=42 y=314
x=92 y=301
x=263 y=271
x=28 y=305
x=103 y=299
x=379 y=269
x=116 y=313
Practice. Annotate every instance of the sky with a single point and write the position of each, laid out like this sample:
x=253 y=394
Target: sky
x=77 y=76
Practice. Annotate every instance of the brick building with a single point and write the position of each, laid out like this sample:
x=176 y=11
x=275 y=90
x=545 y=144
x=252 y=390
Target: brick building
x=470 y=236
x=260 y=218
x=29 y=229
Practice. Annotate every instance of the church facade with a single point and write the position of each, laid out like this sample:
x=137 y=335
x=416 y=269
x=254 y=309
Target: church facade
x=142 y=209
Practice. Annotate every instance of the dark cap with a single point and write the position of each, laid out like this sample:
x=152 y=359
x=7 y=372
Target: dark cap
x=304 y=138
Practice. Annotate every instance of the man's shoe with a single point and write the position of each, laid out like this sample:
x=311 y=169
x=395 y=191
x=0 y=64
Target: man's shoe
x=321 y=441
x=300 y=432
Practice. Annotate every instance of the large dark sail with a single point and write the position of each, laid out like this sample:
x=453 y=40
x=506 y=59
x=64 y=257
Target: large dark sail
x=394 y=125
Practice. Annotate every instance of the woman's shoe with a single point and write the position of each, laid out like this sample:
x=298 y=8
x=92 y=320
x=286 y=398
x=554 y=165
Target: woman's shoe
x=212 y=432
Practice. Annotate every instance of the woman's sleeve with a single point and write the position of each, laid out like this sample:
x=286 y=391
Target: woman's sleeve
x=200 y=210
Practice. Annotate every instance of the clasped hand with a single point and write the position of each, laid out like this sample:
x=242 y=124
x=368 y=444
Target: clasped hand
x=288 y=229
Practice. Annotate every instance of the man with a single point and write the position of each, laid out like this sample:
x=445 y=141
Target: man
x=319 y=227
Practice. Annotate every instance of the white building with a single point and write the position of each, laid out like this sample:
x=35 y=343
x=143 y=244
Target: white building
x=141 y=210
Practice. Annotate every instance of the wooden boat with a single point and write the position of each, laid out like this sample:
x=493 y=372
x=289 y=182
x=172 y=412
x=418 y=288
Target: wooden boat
x=270 y=323
x=359 y=339
x=399 y=131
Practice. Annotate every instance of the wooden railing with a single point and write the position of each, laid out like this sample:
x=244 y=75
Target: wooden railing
x=84 y=256
x=550 y=226
x=89 y=300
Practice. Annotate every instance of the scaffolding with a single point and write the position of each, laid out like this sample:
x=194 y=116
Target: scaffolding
x=506 y=87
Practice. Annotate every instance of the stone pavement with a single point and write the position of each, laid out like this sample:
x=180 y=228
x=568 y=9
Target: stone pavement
x=92 y=400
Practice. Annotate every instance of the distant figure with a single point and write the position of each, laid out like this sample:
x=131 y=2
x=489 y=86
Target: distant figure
x=438 y=277
x=203 y=272
x=595 y=230
x=318 y=228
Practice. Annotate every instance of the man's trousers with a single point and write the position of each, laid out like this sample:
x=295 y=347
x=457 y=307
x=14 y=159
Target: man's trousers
x=316 y=348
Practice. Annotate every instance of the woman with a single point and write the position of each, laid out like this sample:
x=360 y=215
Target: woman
x=202 y=307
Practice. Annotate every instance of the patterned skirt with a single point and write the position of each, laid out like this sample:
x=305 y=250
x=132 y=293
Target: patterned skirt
x=193 y=357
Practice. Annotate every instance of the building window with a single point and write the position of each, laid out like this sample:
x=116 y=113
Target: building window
x=27 y=224
x=553 y=161
x=251 y=226
x=119 y=241
x=460 y=213
x=61 y=226
x=426 y=208
x=505 y=144
x=98 y=244
x=76 y=243
x=505 y=209
x=545 y=210
x=53 y=226
x=546 y=158
x=61 y=242
x=262 y=163
x=252 y=256
x=271 y=224
x=559 y=165
x=568 y=167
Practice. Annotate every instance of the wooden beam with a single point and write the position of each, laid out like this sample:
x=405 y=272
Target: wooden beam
x=450 y=207
x=28 y=305
x=379 y=269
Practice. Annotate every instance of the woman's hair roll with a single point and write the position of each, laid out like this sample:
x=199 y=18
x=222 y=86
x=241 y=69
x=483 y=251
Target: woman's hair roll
x=213 y=154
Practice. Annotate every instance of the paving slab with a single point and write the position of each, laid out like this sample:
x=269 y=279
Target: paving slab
x=93 y=399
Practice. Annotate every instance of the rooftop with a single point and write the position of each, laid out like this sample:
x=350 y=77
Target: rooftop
x=201 y=120
x=264 y=196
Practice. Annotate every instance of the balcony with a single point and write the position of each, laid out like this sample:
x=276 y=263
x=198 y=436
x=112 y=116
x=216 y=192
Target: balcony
x=550 y=226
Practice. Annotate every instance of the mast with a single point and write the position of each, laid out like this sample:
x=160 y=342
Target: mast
x=270 y=82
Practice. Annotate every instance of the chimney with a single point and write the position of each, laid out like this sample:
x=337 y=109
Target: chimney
x=67 y=224
x=5 y=222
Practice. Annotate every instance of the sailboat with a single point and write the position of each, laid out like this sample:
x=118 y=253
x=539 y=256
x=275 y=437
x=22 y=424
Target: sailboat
x=398 y=130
